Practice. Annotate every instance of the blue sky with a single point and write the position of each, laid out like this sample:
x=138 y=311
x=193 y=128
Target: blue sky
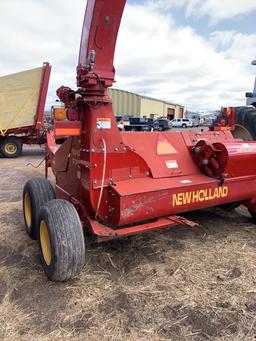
x=193 y=52
x=217 y=41
x=243 y=23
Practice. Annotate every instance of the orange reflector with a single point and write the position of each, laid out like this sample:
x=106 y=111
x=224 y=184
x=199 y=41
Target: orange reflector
x=67 y=132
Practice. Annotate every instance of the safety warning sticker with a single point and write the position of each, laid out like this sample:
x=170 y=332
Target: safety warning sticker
x=185 y=181
x=171 y=164
x=104 y=123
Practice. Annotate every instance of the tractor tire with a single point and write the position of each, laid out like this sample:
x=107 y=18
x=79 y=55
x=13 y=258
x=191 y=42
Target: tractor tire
x=11 y=147
x=253 y=215
x=61 y=240
x=245 y=123
x=36 y=192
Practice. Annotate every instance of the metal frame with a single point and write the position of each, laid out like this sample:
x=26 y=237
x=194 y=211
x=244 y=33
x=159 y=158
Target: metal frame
x=123 y=183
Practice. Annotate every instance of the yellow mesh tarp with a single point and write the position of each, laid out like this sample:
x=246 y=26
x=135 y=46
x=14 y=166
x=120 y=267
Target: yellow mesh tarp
x=19 y=95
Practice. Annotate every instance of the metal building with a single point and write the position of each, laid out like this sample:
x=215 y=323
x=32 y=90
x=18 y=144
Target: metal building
x=128 y=103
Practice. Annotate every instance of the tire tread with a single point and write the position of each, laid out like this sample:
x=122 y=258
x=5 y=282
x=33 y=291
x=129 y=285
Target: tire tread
x=67 y=240
x=40 y=191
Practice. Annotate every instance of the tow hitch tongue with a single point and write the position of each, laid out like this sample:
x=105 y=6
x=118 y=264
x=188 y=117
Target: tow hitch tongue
x=105 y=233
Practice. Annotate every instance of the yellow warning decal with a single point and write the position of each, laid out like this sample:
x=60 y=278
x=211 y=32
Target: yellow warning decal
x=200 y=195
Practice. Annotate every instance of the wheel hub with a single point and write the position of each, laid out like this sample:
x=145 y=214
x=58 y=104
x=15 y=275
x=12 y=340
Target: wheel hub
x=10 y=148
x=27 y=209
x=45 y=243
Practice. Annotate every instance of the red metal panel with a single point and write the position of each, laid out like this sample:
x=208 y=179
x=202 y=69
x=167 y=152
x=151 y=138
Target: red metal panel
x=39 y=119
x=105 y=233
x=191 y=138
x=242 y=156
x=129 y=178
x=100 y=29
x=20 y=130
x=141 y=199
x=175 y=162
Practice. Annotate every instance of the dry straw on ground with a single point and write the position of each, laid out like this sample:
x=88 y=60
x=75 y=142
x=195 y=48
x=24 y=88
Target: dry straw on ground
x=177 y=284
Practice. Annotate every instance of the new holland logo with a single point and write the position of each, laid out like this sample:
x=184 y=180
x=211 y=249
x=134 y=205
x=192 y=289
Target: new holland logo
x=200 y=195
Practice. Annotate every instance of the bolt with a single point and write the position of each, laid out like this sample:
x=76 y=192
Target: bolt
x=94 y=182
x=205 y=162
x=116 y=149
x=197 y=150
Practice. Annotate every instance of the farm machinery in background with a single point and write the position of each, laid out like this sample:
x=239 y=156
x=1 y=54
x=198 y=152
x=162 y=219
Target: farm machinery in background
x=251 y=96
x=112 y=184
x=245 y=116
x=22 y=103
x=241 y=121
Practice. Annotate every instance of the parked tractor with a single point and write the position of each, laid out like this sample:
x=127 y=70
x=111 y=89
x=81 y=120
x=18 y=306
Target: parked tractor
x=245 y=118
x=111 y=184
x=251 y=96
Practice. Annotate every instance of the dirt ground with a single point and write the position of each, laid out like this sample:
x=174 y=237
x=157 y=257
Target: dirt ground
x=176 y=284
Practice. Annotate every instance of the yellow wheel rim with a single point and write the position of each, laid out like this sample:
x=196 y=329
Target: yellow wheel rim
x=27 y=210
x=45 y=242
x=10 y=148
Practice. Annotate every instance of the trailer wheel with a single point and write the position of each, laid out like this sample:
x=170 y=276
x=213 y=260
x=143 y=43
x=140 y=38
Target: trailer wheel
x=245 y=123
x=11 y=147
x=61 y=240
x=36 y=192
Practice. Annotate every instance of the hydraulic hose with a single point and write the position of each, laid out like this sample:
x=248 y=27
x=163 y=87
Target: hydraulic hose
x=103 y=177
